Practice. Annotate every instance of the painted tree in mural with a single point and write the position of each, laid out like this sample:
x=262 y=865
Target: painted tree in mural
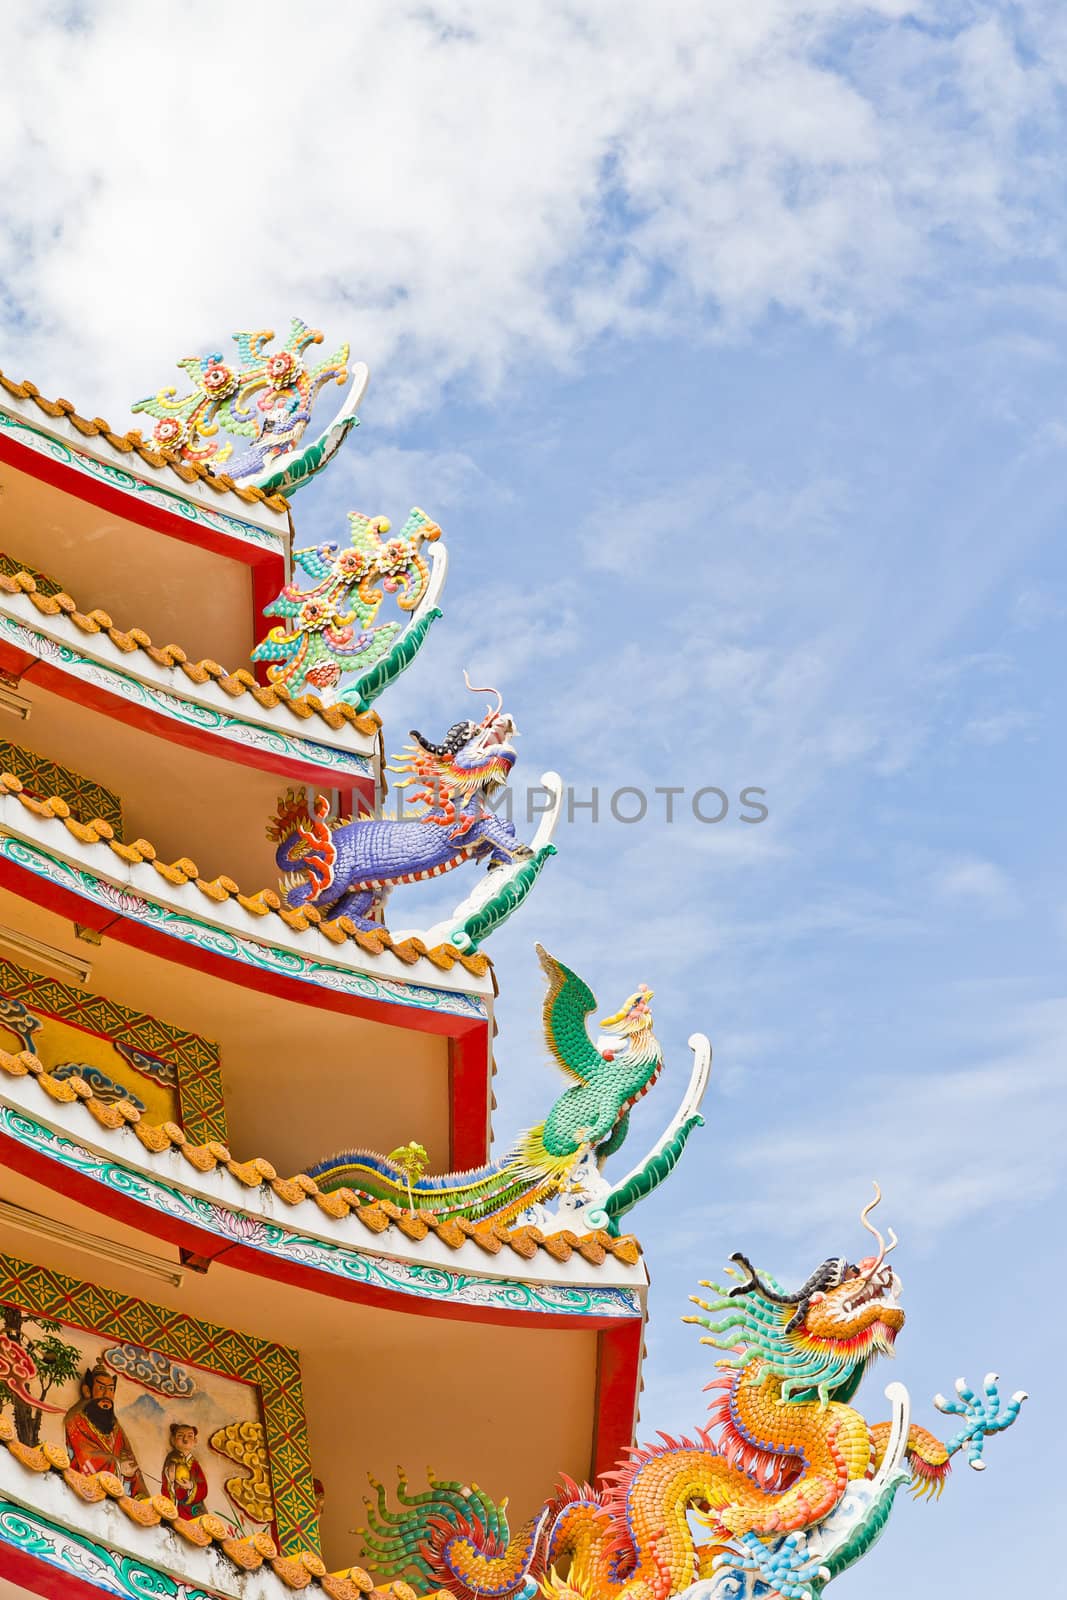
x=31 y=1366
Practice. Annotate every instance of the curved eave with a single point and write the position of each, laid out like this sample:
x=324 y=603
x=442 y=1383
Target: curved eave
x=172 y=920
x=136 y=690
x=58 y=454
x=55 y=1545
x=163 y=1196
x=169 y=922
x=423 y=1278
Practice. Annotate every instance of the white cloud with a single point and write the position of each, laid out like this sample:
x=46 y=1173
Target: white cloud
x=461 y=188
x=948 y=1147
x=977 y=884
x=997 y=726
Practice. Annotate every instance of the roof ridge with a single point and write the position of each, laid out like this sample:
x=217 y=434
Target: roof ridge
x=376 y=1216
x=172 y=656
x=132 y=440
x=262 y=903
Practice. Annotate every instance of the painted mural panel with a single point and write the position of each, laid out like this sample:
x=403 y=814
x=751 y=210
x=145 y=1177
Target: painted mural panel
x=169 y=1074
x=44 y=779
x=160 y=1425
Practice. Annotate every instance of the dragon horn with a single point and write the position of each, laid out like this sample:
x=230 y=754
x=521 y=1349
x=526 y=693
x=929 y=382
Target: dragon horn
x=883 y=1248
x=754 y=1281
x=474 y=689
x=454 y=740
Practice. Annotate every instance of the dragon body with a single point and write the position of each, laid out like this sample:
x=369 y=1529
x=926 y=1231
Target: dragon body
x=585 y=1125
x=787 y=1482
x=346 y=868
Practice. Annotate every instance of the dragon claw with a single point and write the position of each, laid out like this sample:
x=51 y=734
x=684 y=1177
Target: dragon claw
x=784 y=1565
x=982 y=1415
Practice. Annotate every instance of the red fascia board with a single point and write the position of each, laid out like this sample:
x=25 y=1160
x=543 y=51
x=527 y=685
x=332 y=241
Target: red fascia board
x=38 y=1576
x=59 y=475
x=618 y=1376
x=90 y=695
x=470 y=1084
x=100 y=1199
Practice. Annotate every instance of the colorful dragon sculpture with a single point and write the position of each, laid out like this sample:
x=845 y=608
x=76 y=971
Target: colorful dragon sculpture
x=345 y=868
x=787 y=1479
x=566 y=1151
x=265 y=398
x=330 y=629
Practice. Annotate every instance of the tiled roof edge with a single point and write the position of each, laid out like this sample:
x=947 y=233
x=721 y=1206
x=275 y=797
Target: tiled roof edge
x=188 y=472
x=376 y=1217
x=173 y=657
x=261 y=904
x=303 y=1570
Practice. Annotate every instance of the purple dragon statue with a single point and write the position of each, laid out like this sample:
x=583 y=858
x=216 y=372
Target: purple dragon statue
x=346 y=868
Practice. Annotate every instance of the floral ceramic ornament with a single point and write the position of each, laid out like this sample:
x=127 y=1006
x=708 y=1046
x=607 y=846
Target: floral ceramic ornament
x=266 y=399
x=329 y=629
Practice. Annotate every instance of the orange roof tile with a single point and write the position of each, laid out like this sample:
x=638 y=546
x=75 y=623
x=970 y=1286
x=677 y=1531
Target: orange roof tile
x=377 y=1217
x=174 y=658
x=298 y=1571
x=261 y=904
x=188 y=472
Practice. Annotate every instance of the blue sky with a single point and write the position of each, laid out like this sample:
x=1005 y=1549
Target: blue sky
x=728 y=351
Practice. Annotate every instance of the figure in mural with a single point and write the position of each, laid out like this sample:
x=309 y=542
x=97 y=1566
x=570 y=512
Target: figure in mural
x=346 y=869
x=183 y=1477
x=564 y=1154
x=788 y=1483
x=94 y=1435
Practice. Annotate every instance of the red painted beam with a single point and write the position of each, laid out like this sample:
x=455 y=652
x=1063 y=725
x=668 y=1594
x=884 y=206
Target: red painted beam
x=91 y=695
x=37 y=1576
x=618 y=1381
x=97 y=1197
x=130 y=508
x=470 y=1086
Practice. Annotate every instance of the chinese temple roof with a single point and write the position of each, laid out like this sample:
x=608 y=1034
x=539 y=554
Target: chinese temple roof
x=304 y=1570
x=132 y=442
x=265 y=902
x=174 y=658
x=377 y=1217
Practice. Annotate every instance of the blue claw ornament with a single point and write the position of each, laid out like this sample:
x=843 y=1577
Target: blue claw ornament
x=785 y=1566
x=983 y=1415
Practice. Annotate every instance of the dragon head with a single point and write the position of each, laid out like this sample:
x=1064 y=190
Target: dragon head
x=472 y=757
x=817 y=1340
x=634 y=1016
x=627 y=1034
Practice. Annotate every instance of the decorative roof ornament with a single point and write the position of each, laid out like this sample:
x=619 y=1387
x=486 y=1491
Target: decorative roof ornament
x=560 y=1159
x=329 y=629
x=347 y=868
x=266 y=400
x=784 y=1487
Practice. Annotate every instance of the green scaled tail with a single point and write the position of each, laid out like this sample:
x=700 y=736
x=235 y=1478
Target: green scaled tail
x=306 y=462
x=468 y=935
x=396 y=1542
x=503 y=1189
